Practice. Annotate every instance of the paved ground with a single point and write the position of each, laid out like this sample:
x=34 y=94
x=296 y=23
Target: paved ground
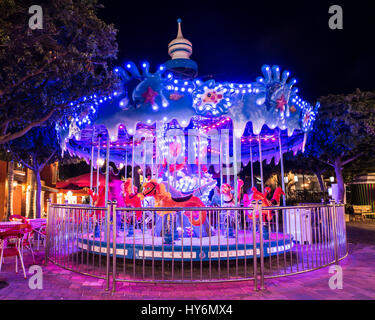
x=358 y=281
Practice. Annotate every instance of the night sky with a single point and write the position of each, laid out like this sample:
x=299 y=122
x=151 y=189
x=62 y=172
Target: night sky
x=232 y=40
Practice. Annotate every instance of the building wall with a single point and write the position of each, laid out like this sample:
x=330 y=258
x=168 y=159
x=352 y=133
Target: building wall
x=17 y=199
x=48 y=176
x=3 y=189
x=363 y=194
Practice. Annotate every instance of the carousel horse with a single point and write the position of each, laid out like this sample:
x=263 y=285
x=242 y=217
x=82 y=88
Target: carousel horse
x=228 y=196
x=267 y=214
x=165 y=200
x=132 y=199
x=275 y=201
x=229 y=201
x=114 y=192
x=98 y=199
x=216 y=197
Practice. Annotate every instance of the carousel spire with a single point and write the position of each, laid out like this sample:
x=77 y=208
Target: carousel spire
x=179 y=32
x=180 y=48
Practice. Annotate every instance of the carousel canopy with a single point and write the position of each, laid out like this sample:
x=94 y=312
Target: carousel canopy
x=267 y=110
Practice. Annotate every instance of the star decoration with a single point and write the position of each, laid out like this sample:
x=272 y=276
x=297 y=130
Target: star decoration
x=306 y=118
x=280 y=103
x=149 y=95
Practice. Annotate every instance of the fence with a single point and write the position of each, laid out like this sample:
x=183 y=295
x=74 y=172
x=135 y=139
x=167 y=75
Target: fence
x=185 y=245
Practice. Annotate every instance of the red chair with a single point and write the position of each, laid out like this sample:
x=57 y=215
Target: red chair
x=27 y=230
x=17 y=217
x=28 y=236
x=42 y=234
x=10 y=243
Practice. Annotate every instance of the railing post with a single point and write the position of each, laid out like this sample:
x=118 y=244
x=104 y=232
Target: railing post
x=261 y=245
x=255 y=266
x=108 y=251
x=341 y=204
x=334 y=216
x=46 y=245
x=114 y=234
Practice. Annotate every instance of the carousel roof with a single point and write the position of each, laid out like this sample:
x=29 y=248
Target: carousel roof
x=264 y=109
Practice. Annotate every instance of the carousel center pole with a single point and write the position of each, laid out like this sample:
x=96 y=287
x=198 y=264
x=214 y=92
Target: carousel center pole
x=261 y=162
x=282 y=168
x=133 y=163
x=175 y=164
x=126 y=164
x=227 y=157
x=199 y=157
x=235 y=169
x=156 y=155
x=107 y=169
x=144 y=159
x=221 y=168
x=92 y=165
x=97 y=166
x=251 y=162
x=152 y=160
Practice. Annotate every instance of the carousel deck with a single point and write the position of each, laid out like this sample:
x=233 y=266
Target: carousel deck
x=145 y=246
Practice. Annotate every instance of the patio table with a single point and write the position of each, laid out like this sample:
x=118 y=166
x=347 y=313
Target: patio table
x=37 y=223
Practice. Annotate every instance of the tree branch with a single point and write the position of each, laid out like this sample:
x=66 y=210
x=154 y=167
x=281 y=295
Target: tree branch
x=25 y=164
x=45 y=162
x=20 y=160
x=4 y=126
x=10 y=88
x=11 y=136
x=351 y=159
x=327 y=162
x=25 y=78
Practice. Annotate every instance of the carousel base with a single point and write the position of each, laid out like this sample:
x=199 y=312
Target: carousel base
x=144 y=246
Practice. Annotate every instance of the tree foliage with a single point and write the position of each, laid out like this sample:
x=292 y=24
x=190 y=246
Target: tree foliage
x=35 y=150
x=43 y=71
x=35 y=147
x=344 y=131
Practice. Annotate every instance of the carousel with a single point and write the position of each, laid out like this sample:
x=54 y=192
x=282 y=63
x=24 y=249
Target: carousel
x=171 y=147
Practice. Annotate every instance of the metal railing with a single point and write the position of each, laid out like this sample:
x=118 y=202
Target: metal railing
x=162 y=245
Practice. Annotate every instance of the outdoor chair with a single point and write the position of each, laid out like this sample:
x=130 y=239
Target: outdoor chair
x=27 y=231
x=17 y=217
x=10 y=246
x=42 y=233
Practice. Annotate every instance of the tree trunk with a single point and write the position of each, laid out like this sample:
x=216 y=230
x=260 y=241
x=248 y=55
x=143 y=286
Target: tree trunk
x=31 y=211
x=38 y=193
x=10 y=189
x=321 y=182
x=340 y=180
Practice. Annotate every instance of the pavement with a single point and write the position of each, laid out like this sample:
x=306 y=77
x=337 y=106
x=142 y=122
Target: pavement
x=61 y=284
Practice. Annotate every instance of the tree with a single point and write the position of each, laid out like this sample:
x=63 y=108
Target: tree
x=307 y=162
x=47 y=74
x=343 y=132
x=359 y=167
x=35 y=150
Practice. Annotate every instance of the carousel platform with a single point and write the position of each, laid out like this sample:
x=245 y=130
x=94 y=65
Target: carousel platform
x=141 y=246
